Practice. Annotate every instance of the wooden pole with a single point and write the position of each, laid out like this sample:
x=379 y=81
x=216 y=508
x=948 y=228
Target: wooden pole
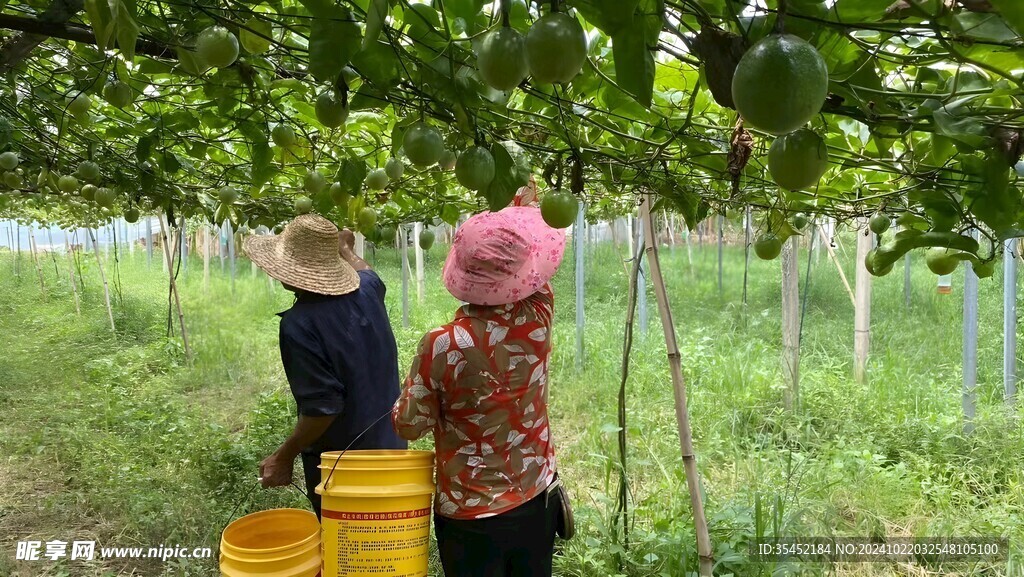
x=641 y=295
x=231 y=252
x=149 y=242
x=403 y=246
x=832 y=256
x=207 y=241
x=360 y=245
x=17 y=256
x=71 y=274
x=707 y=560
x=746 y=251
x=420 y=280
x=791 y=323
x=174 y=286
x=221 y=245
x=862 y=306
x=578 y=236
x=35 y=259
x=970 y=353
x=103 y=277
x=53 y=255
x=906 y=280
x=1010 y=322
x=721 y=241
x=183 y=246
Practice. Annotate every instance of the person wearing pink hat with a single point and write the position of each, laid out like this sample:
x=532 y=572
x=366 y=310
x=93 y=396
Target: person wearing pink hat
x=480 y=385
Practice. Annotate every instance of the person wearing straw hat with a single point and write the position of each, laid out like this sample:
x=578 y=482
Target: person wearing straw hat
x=337 y=347
x=479 y=384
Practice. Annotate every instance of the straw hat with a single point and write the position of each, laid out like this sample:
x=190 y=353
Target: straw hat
x=305 y=256
x=503 y=257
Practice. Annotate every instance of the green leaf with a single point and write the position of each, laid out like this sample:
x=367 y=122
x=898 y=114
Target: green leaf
x=512 y=172
x=450 y=214
x=333 y=40
x=1012 y=12
x=262 y=163
x=610 y=16
x=375 y=17
x=102 y=21
x=967 y=130
x=351 y=175
x=634 y=63
x=127 y=29
x=144 y=149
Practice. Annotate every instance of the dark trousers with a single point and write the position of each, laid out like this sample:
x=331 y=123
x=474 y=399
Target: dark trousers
x=310 y=462
x=517 y=543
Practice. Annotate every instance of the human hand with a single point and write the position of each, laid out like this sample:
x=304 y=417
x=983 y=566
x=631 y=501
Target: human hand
x=347 y=239
x=276 y=471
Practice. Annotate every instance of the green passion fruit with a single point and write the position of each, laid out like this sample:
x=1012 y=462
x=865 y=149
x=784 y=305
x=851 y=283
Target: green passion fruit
x=780 y=84
x=105 y=197
x=426 y=239
x=118 y=94
x=800 y=221
x=941 y=261
x=79 y=106
x=131 y=216
x=303 y=204
x=283 y=135
x=366 y=220
x=556 y=48
x=13 y=179
x=377 y=179
x=394 y=168
x=559 y=209
x=217 y=47
x=67 y=183
x=475 y=168
x=798 y=160
x=227 y=194
x=879 y=223
x=501 y=59
x=88 y=192
x=448 y=160
x=88 y=170
x=339 y=196
x=9 y=160
x=330 y=110
x=767 y=247
x=255 y=35
x=314 y=182
x=423 y=144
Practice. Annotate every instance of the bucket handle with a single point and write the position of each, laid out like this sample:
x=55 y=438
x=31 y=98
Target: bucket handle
x=245 y=498
x=359 y=436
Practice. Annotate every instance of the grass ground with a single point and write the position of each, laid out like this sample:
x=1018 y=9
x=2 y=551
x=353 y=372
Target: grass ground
x=119 y=438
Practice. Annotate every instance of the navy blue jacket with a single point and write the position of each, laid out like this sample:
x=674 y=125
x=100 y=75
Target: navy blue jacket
x=340 y=357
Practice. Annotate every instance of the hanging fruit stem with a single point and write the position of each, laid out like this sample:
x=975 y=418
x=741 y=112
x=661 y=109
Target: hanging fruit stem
x=506 y=9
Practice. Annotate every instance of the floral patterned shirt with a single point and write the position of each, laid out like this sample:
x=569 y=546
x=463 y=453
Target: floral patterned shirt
x=480 y=384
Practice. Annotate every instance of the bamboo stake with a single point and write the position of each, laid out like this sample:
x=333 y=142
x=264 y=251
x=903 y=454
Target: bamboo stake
x=700 y=523
x=103 y=276
x=1010 y=323
x=832 y=255
x=35 y=259
x=53 y=255
x=721 y=241
x=17 y=257
x=174 y=285
x=420 y=280
x=71 y=275
x=862 y=307
x=403 y=246
x=746 y=252
x=791 y=324
x=579 y=230
x=207 y=239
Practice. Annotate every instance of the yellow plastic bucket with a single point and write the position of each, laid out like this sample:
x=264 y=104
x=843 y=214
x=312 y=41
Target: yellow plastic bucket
x=376 y=513
x=275 y=543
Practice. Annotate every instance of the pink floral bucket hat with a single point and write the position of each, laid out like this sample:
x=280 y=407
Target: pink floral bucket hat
x=503 y=257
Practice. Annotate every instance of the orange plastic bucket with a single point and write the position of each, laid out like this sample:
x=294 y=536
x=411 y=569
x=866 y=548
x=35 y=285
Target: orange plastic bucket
x=275 y=543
